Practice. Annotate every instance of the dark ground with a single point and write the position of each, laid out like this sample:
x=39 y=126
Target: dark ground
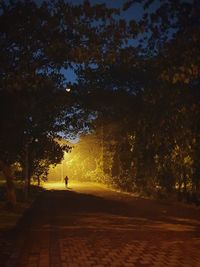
x=93 y=226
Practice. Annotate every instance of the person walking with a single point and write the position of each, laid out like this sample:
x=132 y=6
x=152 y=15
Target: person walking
x=66 y=181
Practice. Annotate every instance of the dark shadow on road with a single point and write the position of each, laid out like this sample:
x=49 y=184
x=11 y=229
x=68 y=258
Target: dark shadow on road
x=74 y=210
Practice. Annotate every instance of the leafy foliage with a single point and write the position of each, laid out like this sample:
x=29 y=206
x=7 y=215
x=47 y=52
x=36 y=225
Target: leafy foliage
x=144 y=94
x=39 y=42
x=157 y=115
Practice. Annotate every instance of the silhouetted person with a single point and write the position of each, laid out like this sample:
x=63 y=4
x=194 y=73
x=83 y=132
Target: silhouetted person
x=66 y=181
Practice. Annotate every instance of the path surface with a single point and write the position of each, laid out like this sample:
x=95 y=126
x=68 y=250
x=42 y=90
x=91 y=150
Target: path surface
x=92 y=226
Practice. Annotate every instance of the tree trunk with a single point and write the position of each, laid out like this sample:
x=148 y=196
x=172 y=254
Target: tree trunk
x=38 y=180
x=184 y=183
x=29 y=180
x=29 y=183
x=179 y=188
x=26 y=172
x=10 y=188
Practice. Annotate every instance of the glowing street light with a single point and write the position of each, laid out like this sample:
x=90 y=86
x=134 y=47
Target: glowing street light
x=68 y=90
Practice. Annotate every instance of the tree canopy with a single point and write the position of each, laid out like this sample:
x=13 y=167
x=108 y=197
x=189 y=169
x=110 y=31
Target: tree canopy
x=38 y=42
x=138 y=77
x=151 y=92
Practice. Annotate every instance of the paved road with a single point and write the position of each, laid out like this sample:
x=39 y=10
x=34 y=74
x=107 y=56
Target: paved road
x=91 y=226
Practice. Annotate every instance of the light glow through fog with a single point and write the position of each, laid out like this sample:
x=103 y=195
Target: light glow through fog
x=83 y=163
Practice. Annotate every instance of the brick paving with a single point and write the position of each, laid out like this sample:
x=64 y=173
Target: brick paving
x=101 y=228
